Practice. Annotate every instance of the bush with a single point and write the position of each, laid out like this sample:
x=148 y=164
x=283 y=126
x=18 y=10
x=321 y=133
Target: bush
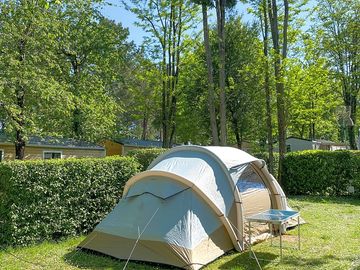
x=355 y=178
x=42 y=200
x=146 y=156
x=319 y=172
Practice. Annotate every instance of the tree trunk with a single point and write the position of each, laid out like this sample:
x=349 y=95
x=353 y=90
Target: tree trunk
x=77 y=124
x=20 y=138
x=278 y=70
x=351 y=126
x=144 y=126
x=171 y=61
x=20 y=101
x=267 y=89
x=235 y=127
x=19 y=145
x=281 y=118
x=211 y=101
x=165 y=143
x=173 y=120
x=220 y=12
x=270 y=138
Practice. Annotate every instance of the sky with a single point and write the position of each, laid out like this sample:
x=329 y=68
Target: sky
x=118 y=13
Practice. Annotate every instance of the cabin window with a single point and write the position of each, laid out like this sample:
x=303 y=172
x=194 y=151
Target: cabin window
x=1 y=155
x=52 y=154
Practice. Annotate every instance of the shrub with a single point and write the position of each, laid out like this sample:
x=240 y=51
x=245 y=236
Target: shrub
x=355 y=178
x=319 y=172
x=146 y=156
x=42 y=200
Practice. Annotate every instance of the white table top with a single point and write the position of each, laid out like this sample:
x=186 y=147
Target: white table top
x=273 y=215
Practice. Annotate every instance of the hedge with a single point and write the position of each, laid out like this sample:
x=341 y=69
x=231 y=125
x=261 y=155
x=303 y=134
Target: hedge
x=43 y=200
x=317 y=172
x=146 y=156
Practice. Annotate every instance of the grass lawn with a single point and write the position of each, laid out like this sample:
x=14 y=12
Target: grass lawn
x=329 y=240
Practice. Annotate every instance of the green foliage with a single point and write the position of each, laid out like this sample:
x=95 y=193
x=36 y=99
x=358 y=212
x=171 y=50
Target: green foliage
x=313 y=96
x=168 y=23
x=139 y=95
x=29 y=69
x=57 y=198
x=95 y=58
x=192 y=122
x=145 y=156
x=338 y=28
x=319 y=172
x=245 y=97
x=61 y=66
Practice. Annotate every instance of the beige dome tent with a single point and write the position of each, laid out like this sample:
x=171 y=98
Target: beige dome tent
x=188 y=208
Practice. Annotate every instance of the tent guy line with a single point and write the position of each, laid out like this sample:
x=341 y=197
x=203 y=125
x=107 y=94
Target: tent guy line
x=137 y=240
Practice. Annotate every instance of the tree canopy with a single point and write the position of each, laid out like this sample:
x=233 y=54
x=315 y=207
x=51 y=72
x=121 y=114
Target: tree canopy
x=203 y=74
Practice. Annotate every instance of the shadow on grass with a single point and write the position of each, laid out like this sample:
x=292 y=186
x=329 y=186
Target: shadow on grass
x=83 y=258
x=328 y=199
x=243 y=260
x=321 y=261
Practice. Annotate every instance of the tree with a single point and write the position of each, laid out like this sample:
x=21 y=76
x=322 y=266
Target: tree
x=313 y=99
x=168 y=22
x=95 y=54
x=264 y=22
x=262 y=13
x=339 y=23
x=193 y=114
x=220 y=6
x=28 y=71
x=244 y=72
x=138 y=96
x=280 y=53
x=210 y=75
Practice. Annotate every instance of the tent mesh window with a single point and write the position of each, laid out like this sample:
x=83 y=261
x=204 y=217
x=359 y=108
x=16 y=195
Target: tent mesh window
x=249 y=181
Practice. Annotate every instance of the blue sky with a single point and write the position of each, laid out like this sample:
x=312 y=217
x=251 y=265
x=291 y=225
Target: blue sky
x=118 y=13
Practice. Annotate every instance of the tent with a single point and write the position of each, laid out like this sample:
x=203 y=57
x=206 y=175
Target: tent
x=188 y=208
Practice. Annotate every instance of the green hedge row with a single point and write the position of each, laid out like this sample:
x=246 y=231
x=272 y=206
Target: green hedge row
x=317 y=172
x=42 y=200
x=146 y=156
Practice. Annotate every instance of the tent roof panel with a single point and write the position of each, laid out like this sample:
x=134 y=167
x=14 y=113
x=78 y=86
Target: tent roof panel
x=159 y=186
x=230 y=156
x=204 y=171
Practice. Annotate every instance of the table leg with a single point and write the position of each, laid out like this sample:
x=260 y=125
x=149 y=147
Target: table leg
x=250 y=239
x=298 y=220
x=280 y=242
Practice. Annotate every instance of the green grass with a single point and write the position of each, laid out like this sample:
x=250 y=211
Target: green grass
x=329 y=240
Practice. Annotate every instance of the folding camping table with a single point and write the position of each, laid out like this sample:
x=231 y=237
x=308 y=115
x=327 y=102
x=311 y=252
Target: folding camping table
x=274 y=217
